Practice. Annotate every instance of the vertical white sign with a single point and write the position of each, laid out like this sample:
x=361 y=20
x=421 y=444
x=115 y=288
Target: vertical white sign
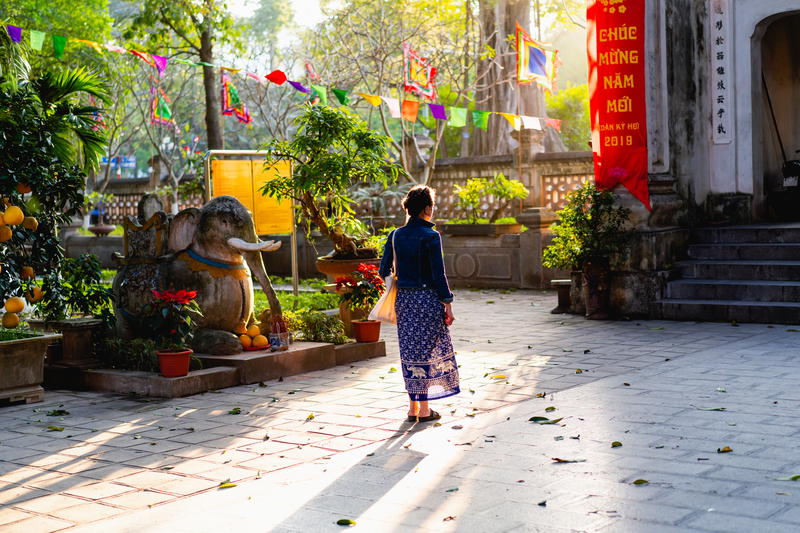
x=721 y=75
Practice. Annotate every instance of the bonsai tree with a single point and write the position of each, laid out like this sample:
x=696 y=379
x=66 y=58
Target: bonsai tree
x=476 y=191
x=49 y=138
x=588 y=234
x=333 y=151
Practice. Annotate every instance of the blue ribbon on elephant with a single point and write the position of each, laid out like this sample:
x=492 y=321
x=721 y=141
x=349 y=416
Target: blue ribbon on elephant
x=217 y=269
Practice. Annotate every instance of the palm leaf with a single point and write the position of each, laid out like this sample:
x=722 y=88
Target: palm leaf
x=55 y=87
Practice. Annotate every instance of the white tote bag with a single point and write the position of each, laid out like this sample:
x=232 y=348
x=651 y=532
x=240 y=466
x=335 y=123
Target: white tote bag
x=384 y=309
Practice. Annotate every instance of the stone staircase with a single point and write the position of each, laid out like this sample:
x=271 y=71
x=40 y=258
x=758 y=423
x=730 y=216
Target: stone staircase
x=738 y=273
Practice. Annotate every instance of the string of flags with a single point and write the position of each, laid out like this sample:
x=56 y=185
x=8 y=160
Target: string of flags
x=536 y=63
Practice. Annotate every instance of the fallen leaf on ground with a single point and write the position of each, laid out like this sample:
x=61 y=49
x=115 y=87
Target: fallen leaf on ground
x=392 y=370
x=782 y=493
x=544 y=420
x=720 y=389
x=793 y=330
x=458 y=427
x=558 y=437
x=549 y=409
x=448 y=518
x=724 y=449
x=541 y=394
x=167 y=467
x=55 y=428
x=587 y=351
x=788 y=478
x=709 y=408
x=310 y=416
x=616 y=444
x=641 y=482
x=656 y=329
x=560 y=460
x=578 y=371
x=542 y=503
x=454 y=489
x=345 y=522
x=499 y=376
x=57 y=412
x=471 y=415
x=226 y=484
x=235 y=411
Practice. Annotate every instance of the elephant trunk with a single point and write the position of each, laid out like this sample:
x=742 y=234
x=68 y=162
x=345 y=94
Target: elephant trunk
x=252 y=253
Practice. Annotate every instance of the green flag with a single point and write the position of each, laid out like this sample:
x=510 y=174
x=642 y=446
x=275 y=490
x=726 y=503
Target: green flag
x=481 y=119
x=37 y=39
x=458 y=117
x=59 y=43
x=322 y=92
x=341 y=95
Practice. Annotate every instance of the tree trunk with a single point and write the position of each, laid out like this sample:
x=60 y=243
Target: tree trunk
x=214 y=131
x=498 y=89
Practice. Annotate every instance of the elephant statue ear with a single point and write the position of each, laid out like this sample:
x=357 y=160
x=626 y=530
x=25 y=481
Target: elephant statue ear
x=182 y=229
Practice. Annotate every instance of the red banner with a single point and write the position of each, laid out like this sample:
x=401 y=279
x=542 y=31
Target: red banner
x=617 y=103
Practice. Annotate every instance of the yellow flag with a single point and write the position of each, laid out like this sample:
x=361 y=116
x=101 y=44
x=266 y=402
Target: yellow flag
x=512 y=119
x=231 y=70
x=93 y=44
x=373 y=99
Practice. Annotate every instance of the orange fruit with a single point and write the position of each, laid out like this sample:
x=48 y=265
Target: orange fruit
x=30 y=223
x=23 y=188
x=15 y=304
x=260 y=341
x=13 y=216
x=5 y=233
x=2 y=222
x=246 y=341
x=10 y=320
x=34 y=295
x=240 y=329
x=27 y=273
x=254 y=330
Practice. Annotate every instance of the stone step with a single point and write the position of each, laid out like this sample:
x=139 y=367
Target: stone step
x=741 y=270
x=746 y=251
x=753 y=290
x=730 y=310
x=753 y=233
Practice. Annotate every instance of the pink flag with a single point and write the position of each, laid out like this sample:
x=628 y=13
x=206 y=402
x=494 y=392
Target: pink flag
x=161 y=63
x=553 y=123
x=438 y=111
x=255 y=77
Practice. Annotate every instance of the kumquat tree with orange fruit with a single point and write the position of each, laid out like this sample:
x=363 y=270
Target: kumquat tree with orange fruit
x=49 y=138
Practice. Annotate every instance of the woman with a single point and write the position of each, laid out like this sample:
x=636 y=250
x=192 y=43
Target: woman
x=423 y=307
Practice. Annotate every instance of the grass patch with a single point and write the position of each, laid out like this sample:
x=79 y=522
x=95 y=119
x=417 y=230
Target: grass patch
x=118 y=231
x=15 y=334
x=308 y=301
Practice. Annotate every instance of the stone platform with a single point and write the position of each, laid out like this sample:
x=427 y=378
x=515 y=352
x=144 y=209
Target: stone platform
x=301 y=357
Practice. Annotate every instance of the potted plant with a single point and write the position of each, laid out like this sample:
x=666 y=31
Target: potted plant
x=360 y=292
x=332 y=152
x=480 y=220
x=49 y=138
x=586 y=237
x=174 y=315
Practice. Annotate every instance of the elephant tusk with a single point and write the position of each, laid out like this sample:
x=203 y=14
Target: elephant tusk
x=244 y=246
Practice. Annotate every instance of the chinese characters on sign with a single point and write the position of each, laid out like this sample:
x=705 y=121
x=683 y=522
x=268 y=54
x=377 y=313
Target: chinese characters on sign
x=616 y=46
x=720 y=72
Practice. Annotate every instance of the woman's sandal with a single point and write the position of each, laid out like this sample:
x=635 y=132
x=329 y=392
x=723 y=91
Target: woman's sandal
x=430 y=418
x=412 y=418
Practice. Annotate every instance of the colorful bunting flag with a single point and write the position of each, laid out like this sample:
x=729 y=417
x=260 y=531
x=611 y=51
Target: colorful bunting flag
x=312 y=74
x=373 y=99
x=144 y=56
x=59 y=44
x=530 y=123
x=15 y=32
x=299 y=86
x=118 y=49
x=418 y=75
x=160 y=63
x=322 y=93
x=458 y=117
x=243 y=114
x=342 y=96
x=277 y=77
x=512 y=119
x=97 y=47
x=410 y=110
x=230 y=96
x=231 y=70
x=185 y=62
x=160 y=112
x=37 y=39
x=535 y=61
x=255 y=76
x=437 y=110
x=481 y=119
x=553 y=123
x=394 y=106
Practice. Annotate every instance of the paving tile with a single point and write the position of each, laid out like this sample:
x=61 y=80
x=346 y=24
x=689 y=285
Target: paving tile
x=48 y=504
x=87 y=512
x=140 y=499
x=37 y=524
x=147 y=479
x=9 y=515
x=96 y=491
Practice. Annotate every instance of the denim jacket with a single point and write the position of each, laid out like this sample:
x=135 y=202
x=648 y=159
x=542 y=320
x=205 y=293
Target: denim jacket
x=420 y=264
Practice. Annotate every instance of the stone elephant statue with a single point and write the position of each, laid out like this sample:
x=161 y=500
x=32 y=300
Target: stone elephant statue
x=213 y=250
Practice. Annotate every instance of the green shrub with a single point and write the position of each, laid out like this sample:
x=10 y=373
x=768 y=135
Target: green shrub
x=571 y=107
x=478 y=190
x=313 y=326
x=590 y=228
x=128 y=354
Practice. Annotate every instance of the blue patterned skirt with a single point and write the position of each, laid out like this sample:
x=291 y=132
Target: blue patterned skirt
x=426 y=351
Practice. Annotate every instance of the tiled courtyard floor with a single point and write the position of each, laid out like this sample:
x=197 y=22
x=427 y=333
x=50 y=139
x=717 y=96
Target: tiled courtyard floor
x=672 y=393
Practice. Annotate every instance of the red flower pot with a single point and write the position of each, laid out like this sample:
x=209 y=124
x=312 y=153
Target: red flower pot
x=366 y=330
x=174 y=364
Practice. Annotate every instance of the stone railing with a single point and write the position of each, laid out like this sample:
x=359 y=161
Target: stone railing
x=126 y=197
